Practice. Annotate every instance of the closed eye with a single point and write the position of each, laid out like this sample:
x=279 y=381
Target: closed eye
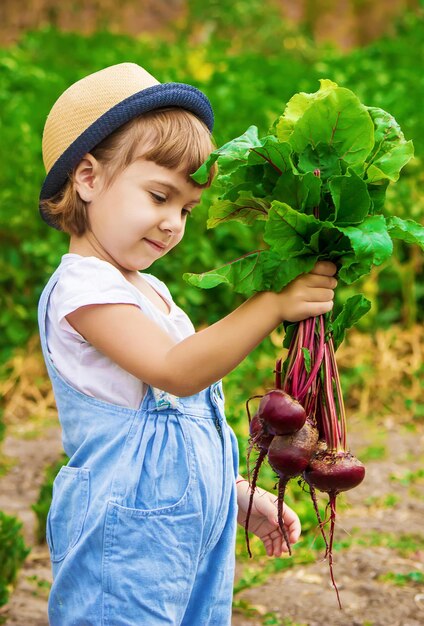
x=157 y=198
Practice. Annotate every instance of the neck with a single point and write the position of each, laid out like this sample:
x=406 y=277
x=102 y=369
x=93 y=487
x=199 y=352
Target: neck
x=89 y=245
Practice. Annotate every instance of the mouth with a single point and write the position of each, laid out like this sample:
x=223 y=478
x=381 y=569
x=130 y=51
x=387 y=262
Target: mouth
x=159 y=246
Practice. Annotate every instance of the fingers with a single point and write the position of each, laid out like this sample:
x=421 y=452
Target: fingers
x=309 y=295
x=319 y=308
x=319 y=300
x=319 y=292
x=292 y=523
x=320 y=295
x=320 y=280
x=324 y=268
x=267 y=528
x=277 y=545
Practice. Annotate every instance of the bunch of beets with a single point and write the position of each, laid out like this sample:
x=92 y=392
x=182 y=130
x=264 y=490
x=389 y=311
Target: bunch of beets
x=315 y=186
x=300 y=426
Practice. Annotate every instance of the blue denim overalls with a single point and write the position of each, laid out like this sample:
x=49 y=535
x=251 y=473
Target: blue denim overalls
x=141 y=528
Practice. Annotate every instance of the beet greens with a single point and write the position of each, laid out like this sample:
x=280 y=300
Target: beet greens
x=317 y=184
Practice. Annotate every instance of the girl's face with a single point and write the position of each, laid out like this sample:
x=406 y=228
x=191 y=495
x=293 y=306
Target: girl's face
x=141 y=216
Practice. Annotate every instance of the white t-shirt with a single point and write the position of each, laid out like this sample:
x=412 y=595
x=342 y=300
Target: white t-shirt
x=88 y=280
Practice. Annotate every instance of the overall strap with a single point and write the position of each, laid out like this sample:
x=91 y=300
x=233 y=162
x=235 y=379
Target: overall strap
x=42 y=319
x=55 y=376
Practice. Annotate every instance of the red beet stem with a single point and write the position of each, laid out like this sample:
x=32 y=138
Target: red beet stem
x=298 y=360
x=330 y=545
x=293 y=352
x=318 y=356
x=321 y=522
x=247 y=406
x=281 y=493
x=330 y=413
x=252 y=485
x=278 y=374
x=258 y=439
x=339 y=393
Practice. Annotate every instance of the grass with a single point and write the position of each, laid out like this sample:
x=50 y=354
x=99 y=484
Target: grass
x=42 y=586
x=387 y=501
x=267 y=618
x=373 y=453
x=408 y=477
x=400 y=580
x=405 y=544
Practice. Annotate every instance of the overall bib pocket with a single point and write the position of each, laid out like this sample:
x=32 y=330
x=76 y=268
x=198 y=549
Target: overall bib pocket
x=68 y=510
x=156 y=468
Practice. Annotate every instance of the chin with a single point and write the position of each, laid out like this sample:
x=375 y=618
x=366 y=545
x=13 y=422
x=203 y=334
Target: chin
x=143 y=265
x=126 y=265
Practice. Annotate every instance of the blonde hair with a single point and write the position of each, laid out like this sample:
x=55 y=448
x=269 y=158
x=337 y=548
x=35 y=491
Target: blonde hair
x=171 y=137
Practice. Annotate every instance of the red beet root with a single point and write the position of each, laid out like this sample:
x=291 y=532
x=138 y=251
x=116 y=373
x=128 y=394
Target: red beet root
x=259 y=436
x=334 y=472
x=281 y=413
x=289 y=455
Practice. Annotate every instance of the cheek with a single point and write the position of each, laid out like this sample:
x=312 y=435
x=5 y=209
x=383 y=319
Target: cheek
x=180 y=235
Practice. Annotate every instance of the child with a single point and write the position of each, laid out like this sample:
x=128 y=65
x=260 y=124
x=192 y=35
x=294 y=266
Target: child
x=141 y=528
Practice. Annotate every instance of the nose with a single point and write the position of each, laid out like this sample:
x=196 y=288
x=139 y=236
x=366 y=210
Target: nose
x=173 y=222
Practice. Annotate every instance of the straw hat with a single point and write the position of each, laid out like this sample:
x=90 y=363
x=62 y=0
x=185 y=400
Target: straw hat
x=95 y=106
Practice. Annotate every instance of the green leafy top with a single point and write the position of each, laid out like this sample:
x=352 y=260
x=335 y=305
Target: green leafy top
x=317 y=183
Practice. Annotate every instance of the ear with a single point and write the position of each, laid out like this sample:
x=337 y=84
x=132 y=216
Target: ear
x=87 y=178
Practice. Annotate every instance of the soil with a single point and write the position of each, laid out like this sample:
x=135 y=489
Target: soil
x=390 y=501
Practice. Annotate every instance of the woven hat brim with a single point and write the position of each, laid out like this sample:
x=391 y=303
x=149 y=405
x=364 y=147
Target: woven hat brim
x=149 y=99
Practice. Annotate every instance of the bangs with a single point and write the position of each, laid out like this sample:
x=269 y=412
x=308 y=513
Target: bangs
x=173 y=138
x=176 y=139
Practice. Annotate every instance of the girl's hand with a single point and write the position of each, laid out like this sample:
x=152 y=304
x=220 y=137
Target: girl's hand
x=263 y=520
x=308 y=295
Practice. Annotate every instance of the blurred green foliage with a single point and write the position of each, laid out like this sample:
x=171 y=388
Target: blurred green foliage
x=41 y=507
x=13 y=552
x=249 y=63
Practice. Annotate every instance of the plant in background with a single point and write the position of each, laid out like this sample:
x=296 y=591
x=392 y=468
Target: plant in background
x=13 y=553
x=41 y=507
x=317 y=183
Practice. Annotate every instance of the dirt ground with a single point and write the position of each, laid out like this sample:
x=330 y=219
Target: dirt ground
x=390 y=501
